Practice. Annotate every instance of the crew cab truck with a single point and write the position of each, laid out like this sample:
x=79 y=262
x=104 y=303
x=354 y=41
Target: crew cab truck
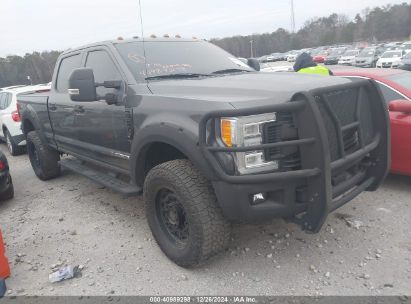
x=207 y=139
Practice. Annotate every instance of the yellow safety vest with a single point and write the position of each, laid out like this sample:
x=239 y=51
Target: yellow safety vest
x=319 y=70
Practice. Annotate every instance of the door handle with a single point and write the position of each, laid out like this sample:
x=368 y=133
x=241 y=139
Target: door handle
x=79 y=109
x=52 y=107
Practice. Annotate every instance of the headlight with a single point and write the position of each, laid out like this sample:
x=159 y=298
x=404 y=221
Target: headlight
x=247 y=131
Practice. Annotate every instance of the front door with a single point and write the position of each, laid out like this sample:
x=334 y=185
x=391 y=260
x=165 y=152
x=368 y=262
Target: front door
x=101 y=127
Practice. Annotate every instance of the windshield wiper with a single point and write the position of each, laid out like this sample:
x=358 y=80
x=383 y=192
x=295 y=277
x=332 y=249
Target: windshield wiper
x=179 y=75
x=226 y=71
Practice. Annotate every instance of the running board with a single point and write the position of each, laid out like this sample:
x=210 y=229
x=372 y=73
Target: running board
x=104 y=179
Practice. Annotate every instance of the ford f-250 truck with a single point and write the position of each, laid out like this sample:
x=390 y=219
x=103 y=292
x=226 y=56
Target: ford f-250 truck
x=207 y=139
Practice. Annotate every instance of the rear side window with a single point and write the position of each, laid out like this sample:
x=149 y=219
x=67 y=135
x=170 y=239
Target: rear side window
x=5 y=100
x=67 y=65
x=3 y=97
x=389 y=94
x=8 y=100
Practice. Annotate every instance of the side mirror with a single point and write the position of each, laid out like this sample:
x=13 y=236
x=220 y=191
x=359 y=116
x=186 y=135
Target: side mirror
x=82 y=87
x=254 y=64
x=400 y=105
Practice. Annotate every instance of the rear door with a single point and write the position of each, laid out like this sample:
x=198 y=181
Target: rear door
x=101 y=127
x=61 y=108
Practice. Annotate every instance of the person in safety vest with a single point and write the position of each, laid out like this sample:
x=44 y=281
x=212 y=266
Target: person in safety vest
x=305 y=64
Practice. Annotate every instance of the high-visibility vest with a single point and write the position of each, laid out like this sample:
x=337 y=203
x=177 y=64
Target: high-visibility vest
x=319 y=70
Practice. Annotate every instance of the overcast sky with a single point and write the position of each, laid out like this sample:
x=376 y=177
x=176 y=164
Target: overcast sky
x=37 y=25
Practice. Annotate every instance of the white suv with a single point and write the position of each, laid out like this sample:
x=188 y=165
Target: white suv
x=10 y=119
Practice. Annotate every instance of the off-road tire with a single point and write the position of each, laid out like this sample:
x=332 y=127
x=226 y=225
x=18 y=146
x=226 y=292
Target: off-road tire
x=13 y=148
x=209 y=232
x=44 y=160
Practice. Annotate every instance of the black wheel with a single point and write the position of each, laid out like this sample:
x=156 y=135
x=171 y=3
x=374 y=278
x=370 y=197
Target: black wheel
x=9 y=193
x=43 y=159
x=183 y=213
x=13 y=148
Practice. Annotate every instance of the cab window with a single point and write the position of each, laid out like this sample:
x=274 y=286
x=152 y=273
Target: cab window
x=104 y=69
x=67 y=65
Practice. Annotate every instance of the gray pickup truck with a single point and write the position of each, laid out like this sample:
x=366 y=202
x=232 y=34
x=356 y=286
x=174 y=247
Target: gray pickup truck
x=207 y=139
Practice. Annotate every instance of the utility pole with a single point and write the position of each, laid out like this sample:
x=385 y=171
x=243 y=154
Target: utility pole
x=292 y=17
x=252 y=48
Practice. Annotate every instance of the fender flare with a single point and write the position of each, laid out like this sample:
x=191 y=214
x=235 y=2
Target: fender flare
x=183 y=139
x=30 y=115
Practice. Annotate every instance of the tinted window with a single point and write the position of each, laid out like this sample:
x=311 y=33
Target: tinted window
x=67 y=65
x=403 y=79
x=3 y=97
x=7 y=103
x=104 y=69
x=389 y=94
x=178 y=57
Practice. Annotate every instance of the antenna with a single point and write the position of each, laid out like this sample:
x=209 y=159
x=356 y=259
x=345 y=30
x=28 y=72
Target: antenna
x=292 y=17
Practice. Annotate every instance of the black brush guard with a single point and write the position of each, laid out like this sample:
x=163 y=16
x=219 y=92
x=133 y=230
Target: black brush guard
x=331 y=179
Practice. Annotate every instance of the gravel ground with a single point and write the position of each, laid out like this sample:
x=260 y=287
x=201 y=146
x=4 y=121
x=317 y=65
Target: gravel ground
x=363 y=249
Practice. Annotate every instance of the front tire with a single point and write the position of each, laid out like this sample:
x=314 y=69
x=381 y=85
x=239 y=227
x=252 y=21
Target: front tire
x=44 y=160
x=183 y=213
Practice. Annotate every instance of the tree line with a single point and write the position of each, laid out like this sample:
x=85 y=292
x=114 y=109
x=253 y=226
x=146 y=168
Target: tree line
x=386 y=23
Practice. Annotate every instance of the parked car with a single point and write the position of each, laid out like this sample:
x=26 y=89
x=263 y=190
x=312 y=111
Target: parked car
x=348 y=58
x=406 y=47
x=6 y=183
x=395 y=86
x=320 y=58
x=206 y=138
x=390 y=59
x=405 y=62
x=292 y=57
x=368 y=57
x=10 y=119
x=334 y=56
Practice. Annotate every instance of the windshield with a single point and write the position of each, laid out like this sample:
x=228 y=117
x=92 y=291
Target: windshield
x=403 y=79
x=391 y=55
x=367 y=52
x=188 y=58
x=337 y=52
x=407 y=46
x=351 y=53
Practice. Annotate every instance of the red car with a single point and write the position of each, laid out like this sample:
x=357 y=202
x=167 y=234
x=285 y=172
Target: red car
x=320 y=58
x=395 y=86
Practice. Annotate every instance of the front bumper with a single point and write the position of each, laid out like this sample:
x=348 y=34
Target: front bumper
x=323 y=183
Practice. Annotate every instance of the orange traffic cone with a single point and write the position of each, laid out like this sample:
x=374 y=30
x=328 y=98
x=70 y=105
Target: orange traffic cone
x=4 y=263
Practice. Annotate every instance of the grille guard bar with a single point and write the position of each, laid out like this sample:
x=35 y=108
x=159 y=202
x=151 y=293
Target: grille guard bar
x=314 y=146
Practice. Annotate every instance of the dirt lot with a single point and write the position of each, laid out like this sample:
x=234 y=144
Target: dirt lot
x=364 y=248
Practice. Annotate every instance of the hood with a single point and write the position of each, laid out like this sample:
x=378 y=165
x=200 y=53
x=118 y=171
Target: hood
x=303 y=61
x=347 y=57
x=368 y=58
x=260 y=88
x=389 y=60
